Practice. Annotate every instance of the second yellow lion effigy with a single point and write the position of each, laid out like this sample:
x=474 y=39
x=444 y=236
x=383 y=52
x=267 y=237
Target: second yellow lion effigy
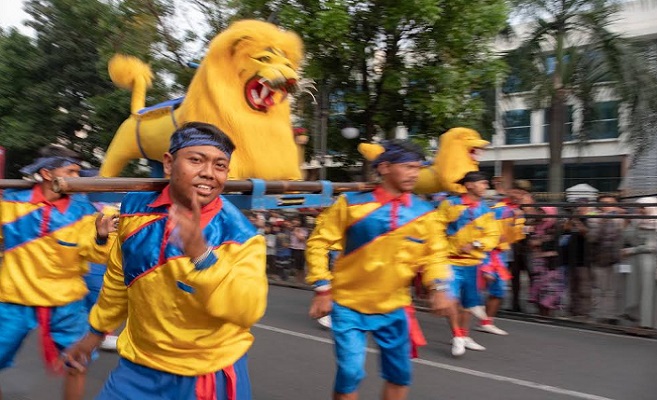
x=457 y=155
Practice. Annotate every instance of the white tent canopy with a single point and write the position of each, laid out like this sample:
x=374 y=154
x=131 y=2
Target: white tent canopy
x=581 y=191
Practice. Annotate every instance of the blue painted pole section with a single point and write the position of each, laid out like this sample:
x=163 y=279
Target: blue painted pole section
x=157 y=169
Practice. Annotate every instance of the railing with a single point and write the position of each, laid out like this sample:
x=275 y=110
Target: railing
x=585 y=265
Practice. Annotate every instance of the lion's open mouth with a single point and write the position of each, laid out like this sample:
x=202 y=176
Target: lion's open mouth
x=476 y=153
x=260 y=93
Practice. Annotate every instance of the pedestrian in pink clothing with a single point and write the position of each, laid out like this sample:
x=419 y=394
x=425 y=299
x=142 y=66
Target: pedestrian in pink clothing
x=547 y=283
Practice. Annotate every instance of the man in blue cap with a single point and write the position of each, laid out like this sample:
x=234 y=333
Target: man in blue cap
x=48 y=239
x=472 y=232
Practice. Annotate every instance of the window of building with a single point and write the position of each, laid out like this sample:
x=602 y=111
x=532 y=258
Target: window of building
x=517 y=126
x=536 y=174
x=606 y=177
x=551 y=63
x=568 y=134
x=605 y=122
x=512 y=84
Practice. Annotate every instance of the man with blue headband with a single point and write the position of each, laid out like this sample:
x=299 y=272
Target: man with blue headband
x=48 y=239
x=188 y=274
x=385 y=237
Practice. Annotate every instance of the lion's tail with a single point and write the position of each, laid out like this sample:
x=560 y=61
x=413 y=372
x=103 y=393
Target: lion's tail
x=131 y=73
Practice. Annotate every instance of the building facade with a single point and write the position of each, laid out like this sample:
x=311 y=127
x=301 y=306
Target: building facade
x=520 y=147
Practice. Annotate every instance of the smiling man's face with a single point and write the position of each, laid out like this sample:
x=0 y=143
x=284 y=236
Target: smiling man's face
x=200 y=169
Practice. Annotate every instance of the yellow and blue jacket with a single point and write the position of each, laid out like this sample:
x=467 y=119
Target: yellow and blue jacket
x=464 y=222
x=46 y=246
x=181 y=318
x=511 y=227
x=384 y=242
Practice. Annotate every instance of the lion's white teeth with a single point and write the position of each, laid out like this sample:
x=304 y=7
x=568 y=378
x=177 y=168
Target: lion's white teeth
x=264 y=92
x=256 y=98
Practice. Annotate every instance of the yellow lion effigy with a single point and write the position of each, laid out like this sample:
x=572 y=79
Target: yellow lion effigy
x=241 y=86
x=457 y=155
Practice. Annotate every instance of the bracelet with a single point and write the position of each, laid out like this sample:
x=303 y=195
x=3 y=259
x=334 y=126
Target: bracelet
x=198 y=260
x=441 y=287
x=323 y=287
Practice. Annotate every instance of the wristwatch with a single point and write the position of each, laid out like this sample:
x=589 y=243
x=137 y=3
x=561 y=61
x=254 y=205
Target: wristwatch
x=477 y=244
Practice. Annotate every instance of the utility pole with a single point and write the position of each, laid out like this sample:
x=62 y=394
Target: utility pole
x=320 y=141
x=498 y=126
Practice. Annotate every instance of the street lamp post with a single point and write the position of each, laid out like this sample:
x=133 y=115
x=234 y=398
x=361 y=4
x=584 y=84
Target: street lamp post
x=323 y=151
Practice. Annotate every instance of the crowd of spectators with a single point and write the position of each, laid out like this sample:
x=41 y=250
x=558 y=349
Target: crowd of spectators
x=588 y=263
x=286 y=233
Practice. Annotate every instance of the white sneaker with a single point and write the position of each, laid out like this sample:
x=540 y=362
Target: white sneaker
x=490 y=328
x=325 y=321
x=458 y=346
x=109 y=343
x=472 y=345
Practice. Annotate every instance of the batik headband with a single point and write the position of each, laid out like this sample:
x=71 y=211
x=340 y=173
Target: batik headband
x=48 y=163
x=396 y=154
x=194 y=137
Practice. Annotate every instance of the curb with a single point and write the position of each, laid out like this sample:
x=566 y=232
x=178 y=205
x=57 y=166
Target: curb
x=537 y=319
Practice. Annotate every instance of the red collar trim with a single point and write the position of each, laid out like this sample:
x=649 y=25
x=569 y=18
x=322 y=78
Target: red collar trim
x=207 y=212
x=384 y=197
x=509 y=203
x=60 y=204
x=467 y=201
x=164 y=199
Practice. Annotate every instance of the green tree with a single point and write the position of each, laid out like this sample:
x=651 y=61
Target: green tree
x=55 y=87
x=567 y=53
x=21 y=123
x=381 y=63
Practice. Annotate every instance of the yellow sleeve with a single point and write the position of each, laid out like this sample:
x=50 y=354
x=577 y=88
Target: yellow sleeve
x=2 y=239
x=328 y=235
x=90 y=249
x=435 y=267
x=491 y=237
x=446 y=213
x=111 y=309
x=234 y=287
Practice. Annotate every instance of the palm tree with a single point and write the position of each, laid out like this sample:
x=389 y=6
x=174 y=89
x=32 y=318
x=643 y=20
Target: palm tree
x=568 y=52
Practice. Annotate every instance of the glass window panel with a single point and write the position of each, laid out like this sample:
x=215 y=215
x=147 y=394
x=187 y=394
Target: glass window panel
x=605 y=124
x=517 y=126
x=605 y=177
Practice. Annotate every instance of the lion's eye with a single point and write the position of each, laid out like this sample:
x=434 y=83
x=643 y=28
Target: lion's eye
x=264 y=59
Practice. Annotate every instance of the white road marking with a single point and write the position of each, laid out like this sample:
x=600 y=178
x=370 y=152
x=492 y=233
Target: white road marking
x=572 y=328
x=467 y=371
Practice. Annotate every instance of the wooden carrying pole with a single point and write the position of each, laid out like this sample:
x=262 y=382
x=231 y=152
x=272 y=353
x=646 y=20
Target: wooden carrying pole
x=95 y=185
x=15 y=184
